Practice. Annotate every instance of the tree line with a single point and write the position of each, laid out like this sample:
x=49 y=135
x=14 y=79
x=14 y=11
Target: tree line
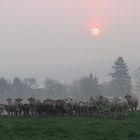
x=82 y=88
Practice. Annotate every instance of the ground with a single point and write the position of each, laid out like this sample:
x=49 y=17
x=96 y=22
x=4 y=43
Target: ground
x=70 y=128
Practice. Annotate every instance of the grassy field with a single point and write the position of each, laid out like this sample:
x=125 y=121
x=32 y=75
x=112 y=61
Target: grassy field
x=70 y=128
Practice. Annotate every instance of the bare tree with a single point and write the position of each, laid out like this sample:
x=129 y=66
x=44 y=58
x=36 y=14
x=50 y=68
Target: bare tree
x=31 y=82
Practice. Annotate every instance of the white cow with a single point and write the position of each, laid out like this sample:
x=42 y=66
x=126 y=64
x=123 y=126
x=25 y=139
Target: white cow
x=70 y=105
x=132 y=102
x=112 y=106
x=14 y=106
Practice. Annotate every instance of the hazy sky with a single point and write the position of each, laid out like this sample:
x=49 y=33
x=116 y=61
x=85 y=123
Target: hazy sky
x=52 y=38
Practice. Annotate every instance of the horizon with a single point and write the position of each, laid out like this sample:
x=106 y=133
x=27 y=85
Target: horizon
x=68 y=73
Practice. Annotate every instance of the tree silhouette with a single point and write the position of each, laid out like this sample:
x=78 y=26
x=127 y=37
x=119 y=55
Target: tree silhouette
x=121 y=80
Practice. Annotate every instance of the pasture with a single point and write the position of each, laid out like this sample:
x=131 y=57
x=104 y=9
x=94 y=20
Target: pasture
x=70 y=128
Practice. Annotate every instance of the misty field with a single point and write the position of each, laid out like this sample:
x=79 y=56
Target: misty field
x=70 y=128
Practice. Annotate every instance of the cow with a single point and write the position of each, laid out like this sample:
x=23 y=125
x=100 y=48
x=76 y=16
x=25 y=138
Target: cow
x=26 y=109
x=1 y=109
x=10 y=108
x=59 y=106
x=18 y=105
x=92 y=106
x=70 y=106
x=35 y=107
x=111 y=106
x=122 y=106
x=132 y=102
x=14 y=107
x=103 y=105
x=48 y=107
x=82 y=108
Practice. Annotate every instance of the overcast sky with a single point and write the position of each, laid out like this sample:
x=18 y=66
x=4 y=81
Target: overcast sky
x=52 y=38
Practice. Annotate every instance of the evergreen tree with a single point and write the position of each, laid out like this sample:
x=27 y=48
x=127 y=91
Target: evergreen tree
x=137 y=78
x=121 y=80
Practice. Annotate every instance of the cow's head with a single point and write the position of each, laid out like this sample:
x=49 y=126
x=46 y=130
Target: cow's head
x=9 y=99
x=18 y=100
x=31 y=100
x=128 y=96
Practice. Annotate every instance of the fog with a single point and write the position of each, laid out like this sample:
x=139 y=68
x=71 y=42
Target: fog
x=42 y=39
x=52 y=39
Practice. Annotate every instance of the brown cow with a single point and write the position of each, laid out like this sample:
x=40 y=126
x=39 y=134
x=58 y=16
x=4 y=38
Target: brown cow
x=48 y=107
x=35 y=106
x=26 y=109
x=59 y=107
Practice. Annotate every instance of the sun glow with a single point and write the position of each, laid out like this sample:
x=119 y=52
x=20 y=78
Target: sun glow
x=96 y=32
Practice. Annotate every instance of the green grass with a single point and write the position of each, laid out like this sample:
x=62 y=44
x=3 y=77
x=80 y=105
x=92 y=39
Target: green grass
x=70 y=128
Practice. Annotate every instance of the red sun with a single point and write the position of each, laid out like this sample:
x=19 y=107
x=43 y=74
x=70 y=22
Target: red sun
x=95 y=31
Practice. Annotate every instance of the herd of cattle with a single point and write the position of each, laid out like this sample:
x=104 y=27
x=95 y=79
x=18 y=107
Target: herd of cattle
x=95 y=106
